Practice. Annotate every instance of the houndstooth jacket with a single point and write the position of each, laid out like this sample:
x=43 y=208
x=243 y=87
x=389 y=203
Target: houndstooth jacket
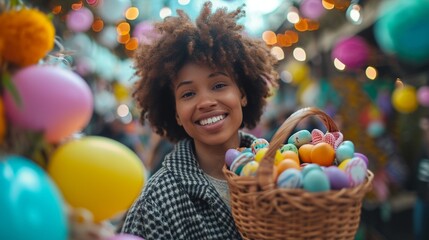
x=179 y=202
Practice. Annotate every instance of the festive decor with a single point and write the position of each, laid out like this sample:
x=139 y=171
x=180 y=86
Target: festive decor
x=30 y=204
x=351 y=51
x=27 y=36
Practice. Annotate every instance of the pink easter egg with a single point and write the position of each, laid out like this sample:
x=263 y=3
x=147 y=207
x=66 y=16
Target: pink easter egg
x=54 y=100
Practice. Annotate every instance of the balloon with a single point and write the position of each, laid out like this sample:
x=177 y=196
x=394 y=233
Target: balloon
x=108 y=36
x=55 y=100
x=80 y=20
x=124 y=236
x=31 y=206
x=97 y=174
x=112 y=11
x=401 y=29
x=312 y=9
x=2 y=122
x=352 y=51
x=423 y=96
x=145 y=32
x=404 y=99
x=299 y=71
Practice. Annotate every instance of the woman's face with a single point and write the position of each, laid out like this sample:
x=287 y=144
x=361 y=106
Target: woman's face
x=208 y=104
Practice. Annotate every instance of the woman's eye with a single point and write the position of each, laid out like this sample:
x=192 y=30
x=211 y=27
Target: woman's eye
x=219 y=85
x=187 y=94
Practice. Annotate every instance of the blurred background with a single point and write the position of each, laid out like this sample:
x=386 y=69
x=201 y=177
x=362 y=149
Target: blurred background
x=364 y=62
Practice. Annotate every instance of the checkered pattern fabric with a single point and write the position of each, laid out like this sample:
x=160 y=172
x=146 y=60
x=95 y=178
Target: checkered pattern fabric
x=179 y=202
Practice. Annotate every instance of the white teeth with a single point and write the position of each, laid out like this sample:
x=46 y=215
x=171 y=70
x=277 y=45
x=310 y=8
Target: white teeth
x=211 y=120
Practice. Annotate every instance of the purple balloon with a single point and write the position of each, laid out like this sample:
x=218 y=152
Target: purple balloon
x=80 y=20
x=352 y=51
x=423 y=96
x=54 y=100
x=312 y=9
x=124 y=236
x=145 y=32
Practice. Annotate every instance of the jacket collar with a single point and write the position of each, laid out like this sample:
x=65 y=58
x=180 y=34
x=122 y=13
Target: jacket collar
x=184 y=165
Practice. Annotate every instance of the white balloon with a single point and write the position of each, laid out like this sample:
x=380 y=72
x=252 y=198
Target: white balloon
x=108 y=37
x=112 y=11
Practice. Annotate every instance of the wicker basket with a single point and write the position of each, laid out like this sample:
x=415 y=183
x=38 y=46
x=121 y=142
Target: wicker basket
x=262 y=211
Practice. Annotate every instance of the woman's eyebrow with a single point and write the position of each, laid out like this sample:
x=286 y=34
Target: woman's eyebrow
x=185 y=82
x=214 y=74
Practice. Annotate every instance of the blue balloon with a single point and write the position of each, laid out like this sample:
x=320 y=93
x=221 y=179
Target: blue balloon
x=31 y=206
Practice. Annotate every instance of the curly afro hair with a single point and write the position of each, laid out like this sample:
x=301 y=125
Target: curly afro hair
x=215 y=40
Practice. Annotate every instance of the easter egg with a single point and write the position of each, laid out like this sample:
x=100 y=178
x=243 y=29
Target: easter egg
x=355 y=170
x=316 y=181
x=286 y=164
x=304 y=153
x=323 y=154
x=260 y=154
x=246 y=150
x=258 y=144
x=250 y=169
x=291 y=155
x=241 y=160
x=362 y=156
x=278 y=157
x=343 y=152
x=300 y=138
x=309 y=167
x=337 y=178
x=290 y=178
x=289 y=147
x=230 y=155
x=349 y=144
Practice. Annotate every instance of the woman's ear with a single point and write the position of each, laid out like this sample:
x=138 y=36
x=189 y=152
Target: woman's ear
x=243 y=100
x=179 y=122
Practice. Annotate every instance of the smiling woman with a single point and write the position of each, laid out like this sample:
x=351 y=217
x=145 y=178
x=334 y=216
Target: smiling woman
x=198 y=85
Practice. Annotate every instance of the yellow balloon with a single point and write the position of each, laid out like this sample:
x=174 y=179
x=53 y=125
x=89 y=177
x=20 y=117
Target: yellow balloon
x=404 y=99
x=97 y=174
x=299 y=71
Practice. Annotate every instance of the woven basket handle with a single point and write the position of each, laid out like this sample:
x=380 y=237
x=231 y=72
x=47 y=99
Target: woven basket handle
x=265 y=171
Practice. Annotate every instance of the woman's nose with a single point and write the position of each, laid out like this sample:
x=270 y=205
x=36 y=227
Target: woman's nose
x=206 y=101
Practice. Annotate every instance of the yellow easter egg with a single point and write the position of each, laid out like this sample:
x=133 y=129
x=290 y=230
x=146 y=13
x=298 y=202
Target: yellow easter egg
x=343 y=164
x=250 y=169
x=323 y=154
x=304 y=152
x=278 y=157
x=260 y=154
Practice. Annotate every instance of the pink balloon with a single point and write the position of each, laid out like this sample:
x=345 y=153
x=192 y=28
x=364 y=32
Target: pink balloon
x=352 y=51
x=312 y=9
x=54 y=100
x=423 y=96
x=145 y=32
x=80 y=20
x=124 y=236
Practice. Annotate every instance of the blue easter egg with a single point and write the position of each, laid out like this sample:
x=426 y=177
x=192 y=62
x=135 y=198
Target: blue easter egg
x=300 y=138
x=258 y=144
x=309 y=167
x=316 y=181
x=343 y=152
x=290 y=178
x=241 y=160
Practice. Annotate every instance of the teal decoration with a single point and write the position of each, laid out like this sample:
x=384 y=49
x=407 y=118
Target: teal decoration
x=31 y=206
x=402 y=29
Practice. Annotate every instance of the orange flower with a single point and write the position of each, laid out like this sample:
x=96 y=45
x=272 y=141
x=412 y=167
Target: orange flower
x=27 y=34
